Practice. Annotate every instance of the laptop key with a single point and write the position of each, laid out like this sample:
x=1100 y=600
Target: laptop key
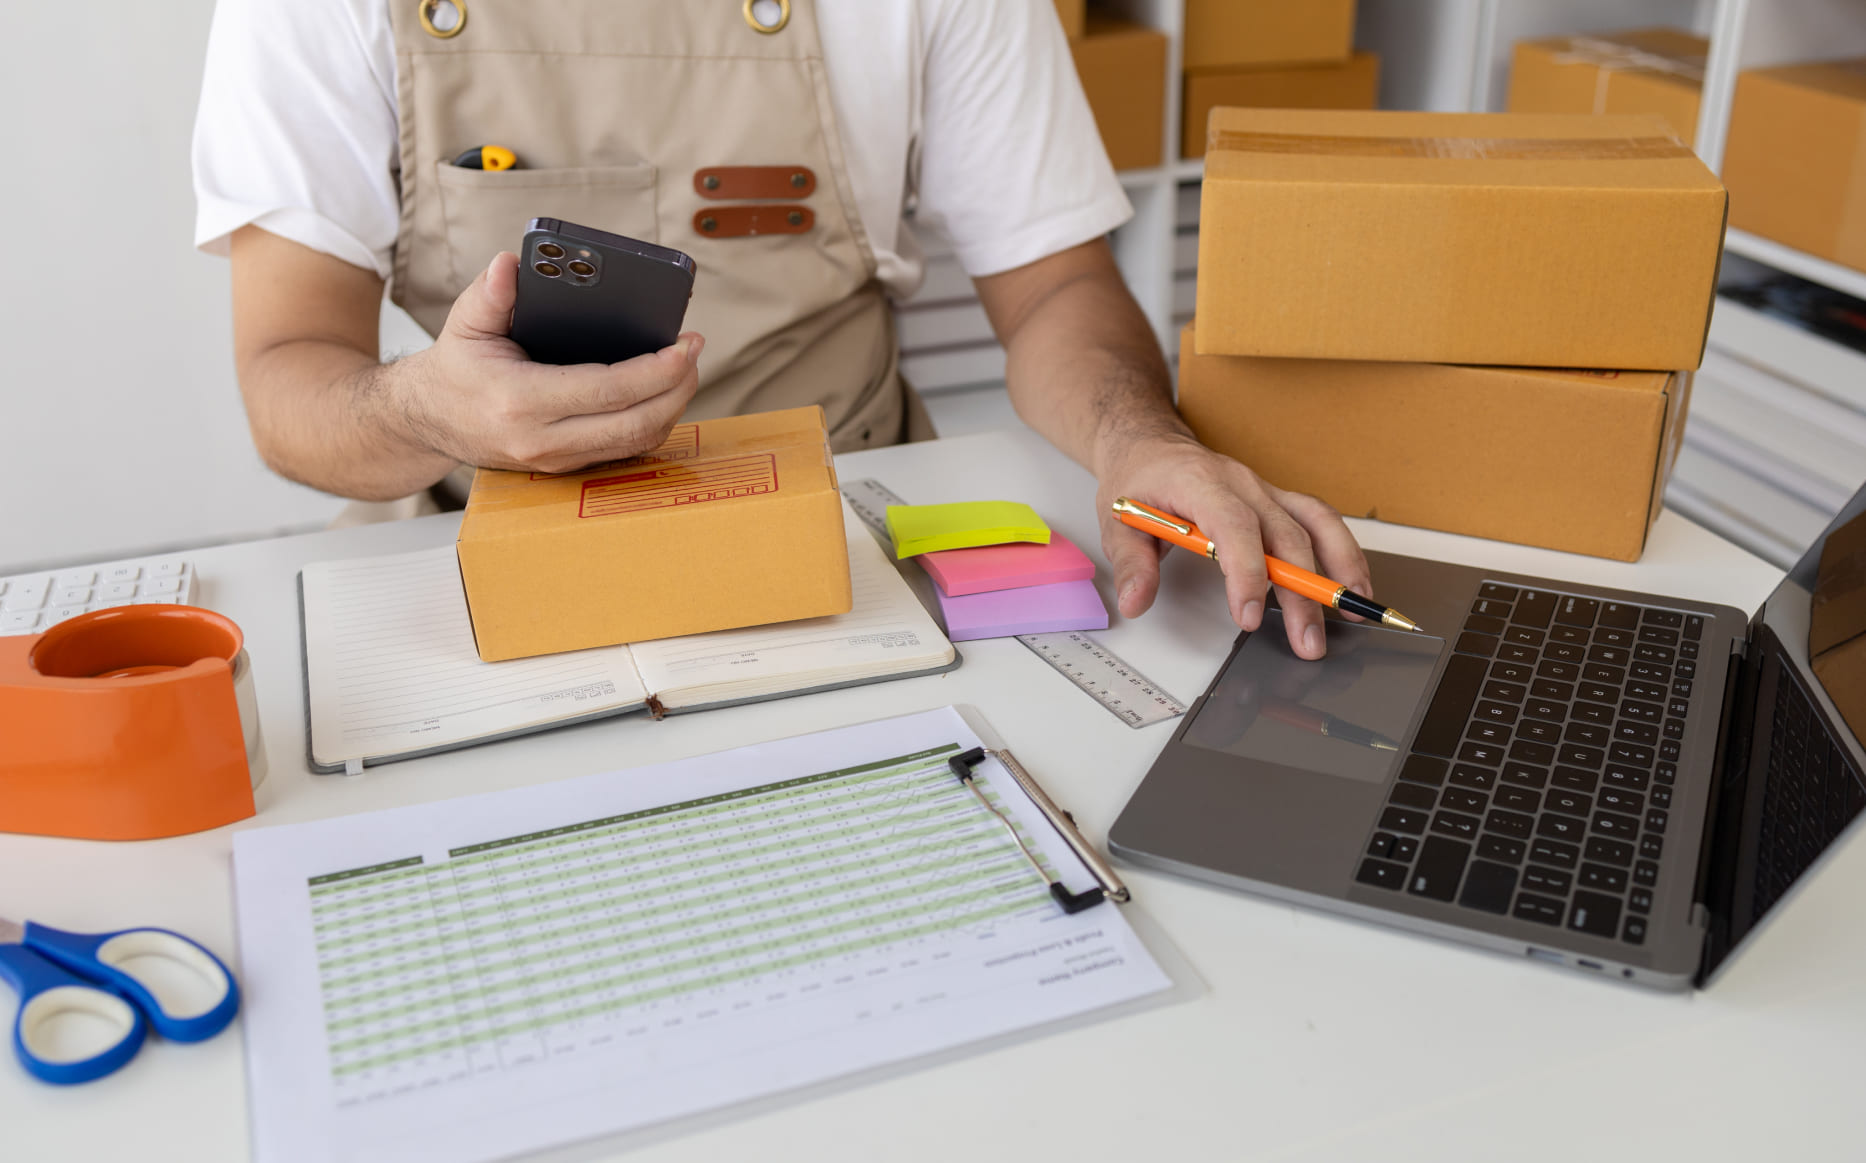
x=1518 y=799
x=1501 y=848
x=1478 y=624
x=1604 y=851
x=1481 y=778
x=1631 y=754
x=1439 y=867
x=1634 y=932
x=1540 y=731
x=1451 y=706
x=1658 y=634
x=1641 y=712
x=1639 y=900
x=1495 y=734
x=1556 y=852
x=1423 y=769
x=1534 y=608
x=1614 y=824
x=1619 y=615
x=1459 y=799
x=1495 y=712
x=1401 y=820
x=1597 y=692
x=1488 y=886
x=1511 y=672
x=1576 y=611
x=1601 y=672
x=1498 y=591
x=1544 y=709
x=1549 y=880
x=1613 y=636
x=1608 y=655
x=1512 y=824
x=1503 y=692
x=1405 y=848
x=1620 y=799
x=1482 y=753
x=1482 y=645
x=1575 y=755
x=1572 y=634
x=1381 y=873
x=1591 y=734
x=1555 y=668
x=1381 y=845
x=1529 y=751
x=1561 y=827
x=1688 y=650
x=1674 y=728
x=1694 y=626
x=1651 y=671
x=1656 y=820
x=1571 y=803
x=1644 y=734
x=1565 y=652
x=1491 y=607
x=1651 y=846
x=1555 y=692
x=1530 y=907
x=1525 y=775
x=1523 y=636
x=1631 y=778
x=1670 y=618
x=1598 y=714
x=1649 y=652
x=1650 y=691
x=1661 y=796
x=1455 y=824
x=1595 y=915
x=1574 y=779
x=1517 y=652
x=1412 y=795
x=1601 y=878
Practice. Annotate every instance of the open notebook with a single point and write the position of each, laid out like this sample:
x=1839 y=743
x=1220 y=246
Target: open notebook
x=391 y=671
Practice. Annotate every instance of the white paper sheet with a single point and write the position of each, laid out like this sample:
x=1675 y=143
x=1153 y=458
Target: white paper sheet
x=479 y=977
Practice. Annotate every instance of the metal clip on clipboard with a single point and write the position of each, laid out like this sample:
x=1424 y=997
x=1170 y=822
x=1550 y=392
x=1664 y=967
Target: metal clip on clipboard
x=1109 y=886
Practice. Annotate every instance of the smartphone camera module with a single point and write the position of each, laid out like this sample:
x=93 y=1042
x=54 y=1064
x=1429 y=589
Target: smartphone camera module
x=549 y=270
x=550 y=250
x=579 y=268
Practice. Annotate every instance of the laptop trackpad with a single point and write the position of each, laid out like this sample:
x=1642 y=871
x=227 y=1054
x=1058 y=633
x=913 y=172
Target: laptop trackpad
x=1343 y=715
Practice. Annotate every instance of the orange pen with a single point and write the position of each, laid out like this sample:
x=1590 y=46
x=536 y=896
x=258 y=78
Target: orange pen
x=1313 y=586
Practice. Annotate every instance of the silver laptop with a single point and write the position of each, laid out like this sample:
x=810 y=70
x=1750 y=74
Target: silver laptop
x=1622 y=783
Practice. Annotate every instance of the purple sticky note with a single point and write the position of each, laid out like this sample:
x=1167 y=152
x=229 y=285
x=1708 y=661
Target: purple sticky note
x=1030 y=610
x=1008 y=566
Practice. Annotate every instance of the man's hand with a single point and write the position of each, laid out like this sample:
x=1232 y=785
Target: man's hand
x=478 y=399
x=1245 y=517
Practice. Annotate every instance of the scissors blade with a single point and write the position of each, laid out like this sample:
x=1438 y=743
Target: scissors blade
x=11 y=932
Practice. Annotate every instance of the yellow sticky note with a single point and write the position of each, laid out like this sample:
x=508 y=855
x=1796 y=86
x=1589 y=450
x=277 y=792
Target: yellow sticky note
x=919 y=529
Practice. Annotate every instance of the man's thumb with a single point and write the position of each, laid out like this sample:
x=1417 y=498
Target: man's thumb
x=485 y=308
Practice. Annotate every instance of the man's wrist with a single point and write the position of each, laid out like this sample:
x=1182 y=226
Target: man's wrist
x=389 y=394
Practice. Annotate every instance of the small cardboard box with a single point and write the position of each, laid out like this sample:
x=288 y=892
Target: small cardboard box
x=1535 y=240
x=1072 y=13
x=1351 y=84
x=1267 y=32
x=1571 y=460
x=731 y=522
x=1837 y=622
x=1795 y=159
x=1641 y=70
x=1123 y=71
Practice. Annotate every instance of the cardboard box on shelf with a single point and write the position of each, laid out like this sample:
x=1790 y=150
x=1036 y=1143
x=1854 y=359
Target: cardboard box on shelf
x=1837 y=622
x=1072 y=13
x=1534 y=240
x=1641 y=70
x=1123 y=71
x=1352 y=84
x=731 y=522
x=1795 y=158
x=1264 y=32
x=1569 y=460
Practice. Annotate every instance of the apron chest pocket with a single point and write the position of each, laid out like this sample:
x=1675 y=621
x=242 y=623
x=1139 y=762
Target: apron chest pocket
x=485 y=211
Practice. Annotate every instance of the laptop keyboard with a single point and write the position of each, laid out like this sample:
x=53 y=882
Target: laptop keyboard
x=1812 y=792
x=1540 y=784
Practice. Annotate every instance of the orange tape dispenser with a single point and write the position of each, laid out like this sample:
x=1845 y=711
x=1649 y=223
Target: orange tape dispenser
x=128 y=724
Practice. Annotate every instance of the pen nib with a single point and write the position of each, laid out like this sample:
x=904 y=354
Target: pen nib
x=1399 y=621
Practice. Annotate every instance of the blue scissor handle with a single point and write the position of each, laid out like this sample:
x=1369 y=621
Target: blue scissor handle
x=99 y=956
x=47 y=990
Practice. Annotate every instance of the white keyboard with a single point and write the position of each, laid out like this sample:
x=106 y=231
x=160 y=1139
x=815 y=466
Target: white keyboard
x=33 y=602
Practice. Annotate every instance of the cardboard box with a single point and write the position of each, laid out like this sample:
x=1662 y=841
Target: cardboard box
x=1570 y=460
x=1795 y=159
x=1353 y=84
x=1072 y=13
x=1535 y=240
x=732 y=522
x=1123 y=71
x=1837 y=622
x=1641 y=70
x=1267 y=32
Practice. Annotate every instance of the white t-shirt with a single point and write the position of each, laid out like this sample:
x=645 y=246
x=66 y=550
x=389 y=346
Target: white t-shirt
x=969 y=110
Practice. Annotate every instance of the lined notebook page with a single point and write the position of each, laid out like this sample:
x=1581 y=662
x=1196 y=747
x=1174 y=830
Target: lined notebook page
x=391 y=667
x=886 y=632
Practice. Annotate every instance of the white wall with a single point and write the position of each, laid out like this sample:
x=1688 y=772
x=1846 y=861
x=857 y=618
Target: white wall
x=120 y=423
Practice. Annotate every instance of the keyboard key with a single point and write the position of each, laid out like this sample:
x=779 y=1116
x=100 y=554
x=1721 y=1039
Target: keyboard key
x=1650 y=670
x=1495 y=734
x=1597 y=713
x=1631 y=755
x=1644 y=734
x=1516 y=652
x=1381 y=874
x=1620 y=799
x=1463 y=800
x=1487 y=887
x=1533 y=608
x=1555 y=852
x=1530 y=907
x=18 y=621
x=1572 y=634
x=1553 y=691
x=1688 y=650
x=1548 y=880
x=58 y=614
x=1481 y=645
x=1524 y=775
x=1554 y=668
x=1412 y=795
x=1614 y=824
x=1574 y=779
x=1498 y=591
x=71 y=596
x=1517 y=799
x=1544 y=709
x=1511 y=672
x=1576 y=611
x=1619 y=615
x=1529 y=751
x=1661 y=796
x=1503 y=692
x=29 y=595
x=1660 y=655
x=1440 y=865
x=1493 y=712
x=1604 y=851
x=1670 y=750
x=1540 y=731
x=1645 y=874
x=1686 y=669
x=1451 y=706
x=1630 y=778
x=1481 y=778
x=1656 y=821
x=1515 y=825
x=1571 y=803
x=117 y=591
x=162 y=585
x=1491 y=607
x=1401 y=820
x=1405 y=848
x=122 y=573
x=1588 y=734
x=1595 y=915
x=1601 y=878
x=1501 y=848
x=1671 y=618
x=1423 y=769
x=73 y=577
x=1609 y=655
x=1610 y=636
x=1575 y=755
x=1639 y=900
x=1478 y=624
x=1652 y=692
x=1658 y=634
x=1381 y=845
x=1634 y=931
x=1651 y=846
x=1602 y=673
x=1484 y=753
x=1694 y=626
x=1566 y=828
x=1565 y=652
x=1455 y=824
x=1641 y=712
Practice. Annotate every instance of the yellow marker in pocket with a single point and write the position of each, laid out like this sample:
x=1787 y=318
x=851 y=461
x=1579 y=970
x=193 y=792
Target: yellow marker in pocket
x=487 y=157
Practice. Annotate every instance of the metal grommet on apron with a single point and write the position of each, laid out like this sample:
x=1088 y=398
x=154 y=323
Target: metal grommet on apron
x=767 y=16
x=429 y=9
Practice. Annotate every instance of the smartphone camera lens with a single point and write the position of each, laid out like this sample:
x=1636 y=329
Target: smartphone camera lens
x=549 y=270
x=550 y=250
x=580 y=268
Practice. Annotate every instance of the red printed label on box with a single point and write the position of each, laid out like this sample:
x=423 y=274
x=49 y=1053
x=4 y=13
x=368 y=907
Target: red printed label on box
x=672 y=486
x=683 y=443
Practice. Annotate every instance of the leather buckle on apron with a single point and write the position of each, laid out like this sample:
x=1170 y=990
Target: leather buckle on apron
x=743 y=221
x=428 y=9
x=754 y=182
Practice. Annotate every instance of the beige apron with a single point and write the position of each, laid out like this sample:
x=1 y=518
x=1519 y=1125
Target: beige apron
x=676 y=122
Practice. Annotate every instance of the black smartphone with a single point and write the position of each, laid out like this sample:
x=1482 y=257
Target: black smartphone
x=588 y=296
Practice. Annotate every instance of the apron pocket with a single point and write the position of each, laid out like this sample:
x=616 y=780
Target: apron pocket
x=486 y=211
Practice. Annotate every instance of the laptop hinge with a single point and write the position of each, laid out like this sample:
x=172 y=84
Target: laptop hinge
x=1717 y=847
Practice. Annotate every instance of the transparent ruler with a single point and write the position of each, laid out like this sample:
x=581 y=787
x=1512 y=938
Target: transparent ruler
x=1098 y=672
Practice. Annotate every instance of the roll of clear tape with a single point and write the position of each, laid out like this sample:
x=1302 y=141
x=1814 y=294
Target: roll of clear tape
x=248 y=703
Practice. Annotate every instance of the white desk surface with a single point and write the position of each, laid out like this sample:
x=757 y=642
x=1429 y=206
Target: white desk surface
x=1313 y=1038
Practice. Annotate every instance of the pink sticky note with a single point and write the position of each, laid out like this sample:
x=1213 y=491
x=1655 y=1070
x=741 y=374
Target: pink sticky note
x=1004 y=567
x=1073 y=605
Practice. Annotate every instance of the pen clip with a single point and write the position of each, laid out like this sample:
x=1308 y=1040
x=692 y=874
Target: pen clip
x=1123 y=505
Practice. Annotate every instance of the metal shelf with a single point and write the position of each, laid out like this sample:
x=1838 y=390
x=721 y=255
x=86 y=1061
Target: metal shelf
x=1796 y=262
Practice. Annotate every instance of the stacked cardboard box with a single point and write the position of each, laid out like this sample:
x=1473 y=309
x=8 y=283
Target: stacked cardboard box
x=1375 y=290
x=1642 y=70
x=1271 y=54
x=1795 y=159
x=1123 y=71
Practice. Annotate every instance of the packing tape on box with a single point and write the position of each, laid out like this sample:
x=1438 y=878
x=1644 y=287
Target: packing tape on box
x=1459 y=148
x=1609 y=57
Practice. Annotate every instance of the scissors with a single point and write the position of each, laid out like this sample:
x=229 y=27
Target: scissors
x=58 y=973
